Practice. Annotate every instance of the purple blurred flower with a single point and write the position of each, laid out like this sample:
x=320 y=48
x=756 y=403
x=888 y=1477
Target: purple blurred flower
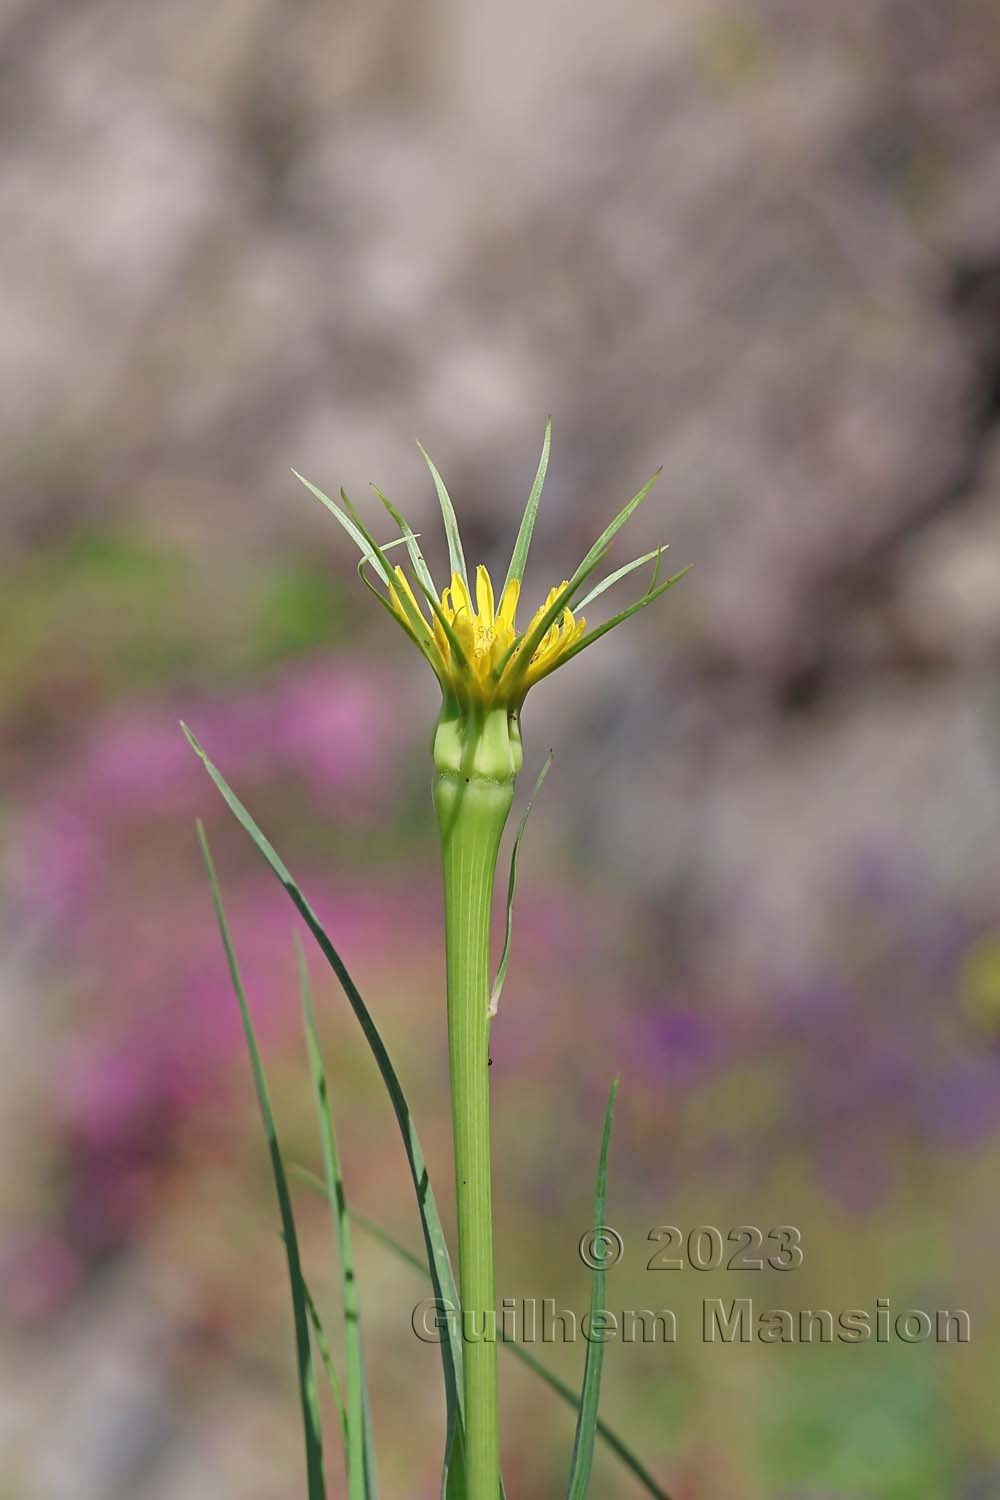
x=100 y=865
x=325 y=724
x=678 y=1044
x=39 y=1272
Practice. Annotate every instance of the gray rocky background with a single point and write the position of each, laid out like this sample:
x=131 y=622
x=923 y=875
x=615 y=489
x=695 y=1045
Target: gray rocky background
x=758 y=243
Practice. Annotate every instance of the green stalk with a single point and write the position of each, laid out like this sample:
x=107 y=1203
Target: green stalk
x=477 y=754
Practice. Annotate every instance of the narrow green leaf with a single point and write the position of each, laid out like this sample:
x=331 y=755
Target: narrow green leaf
x=609 y=533
x=326 y=1355
x=418 y=624
x=617 y=575
x=457 y=649
x=438 y=1260
x=415 y=625
x=307 y=1384
x=624 y=614
x=498 y=983
x=519 y=557
x=607 y=1434
x=357 y=533
x=454 y=1485
x=456 y=557
x=524 y=648
x=426 y=584
x=586 y=1422
x=409 y=537
x=361 y=1484
x=362 y=565
x=383 y=601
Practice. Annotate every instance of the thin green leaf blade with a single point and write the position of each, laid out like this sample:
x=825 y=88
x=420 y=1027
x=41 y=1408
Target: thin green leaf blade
x=361 y=1483
x=524 y=648
x=303 y=1348
x=419 y=628
x=586 y=1422
x=607 y=1434
x=454 y=1485
x=357 y=534
x=381 y=599
x=456 y=557
x=522 y=545
x=426 y=585
x=409 y=537
x=609 y=533
x=438 y=1260
x=326 y=1355
x=624 y=614
x=457 y=649
x=617 y=576
x=498 y=982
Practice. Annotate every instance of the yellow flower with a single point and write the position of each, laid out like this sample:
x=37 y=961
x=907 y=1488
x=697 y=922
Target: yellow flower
x=477 y=653
x=474 y=648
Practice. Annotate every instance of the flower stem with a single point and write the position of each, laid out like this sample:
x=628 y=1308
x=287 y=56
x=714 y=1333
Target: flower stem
x=472 y=804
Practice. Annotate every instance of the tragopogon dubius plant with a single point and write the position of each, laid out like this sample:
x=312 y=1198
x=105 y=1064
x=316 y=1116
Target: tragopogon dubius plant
x=485 y=666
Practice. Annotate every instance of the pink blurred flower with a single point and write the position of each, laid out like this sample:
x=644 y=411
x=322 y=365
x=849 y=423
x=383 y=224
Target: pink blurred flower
x=326 y=724
x=39 y=1272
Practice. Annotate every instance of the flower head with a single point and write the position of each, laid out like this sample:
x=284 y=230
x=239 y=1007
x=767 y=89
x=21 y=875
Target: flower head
x=471 y=641
x=485 y=661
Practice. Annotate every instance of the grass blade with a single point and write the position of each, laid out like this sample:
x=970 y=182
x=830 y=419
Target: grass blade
x=586 y=1422
x=456 y=557
x=609 y=533
x=607 y=1434
x=307 y=1384
x=409 y=537
x=325 y=1354
x=498 y=982
x=519 y=557
x=524 y=648
x=418 y=625
x=362 y=565
x=623 y=614
x=425 y=582
x=438 y=1260
x=617 y=575
x=363 y=542
x=361 y=1484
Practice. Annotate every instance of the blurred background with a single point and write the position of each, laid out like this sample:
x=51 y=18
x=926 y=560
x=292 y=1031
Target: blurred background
x=756 y=242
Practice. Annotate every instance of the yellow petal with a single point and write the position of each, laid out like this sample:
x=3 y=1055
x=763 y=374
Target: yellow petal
x=441 y=641
x=461 y=602
x=508 y=603
x=399 y=604
x=484 y=596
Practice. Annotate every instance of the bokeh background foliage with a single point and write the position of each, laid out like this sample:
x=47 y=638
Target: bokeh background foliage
x=757 y=242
